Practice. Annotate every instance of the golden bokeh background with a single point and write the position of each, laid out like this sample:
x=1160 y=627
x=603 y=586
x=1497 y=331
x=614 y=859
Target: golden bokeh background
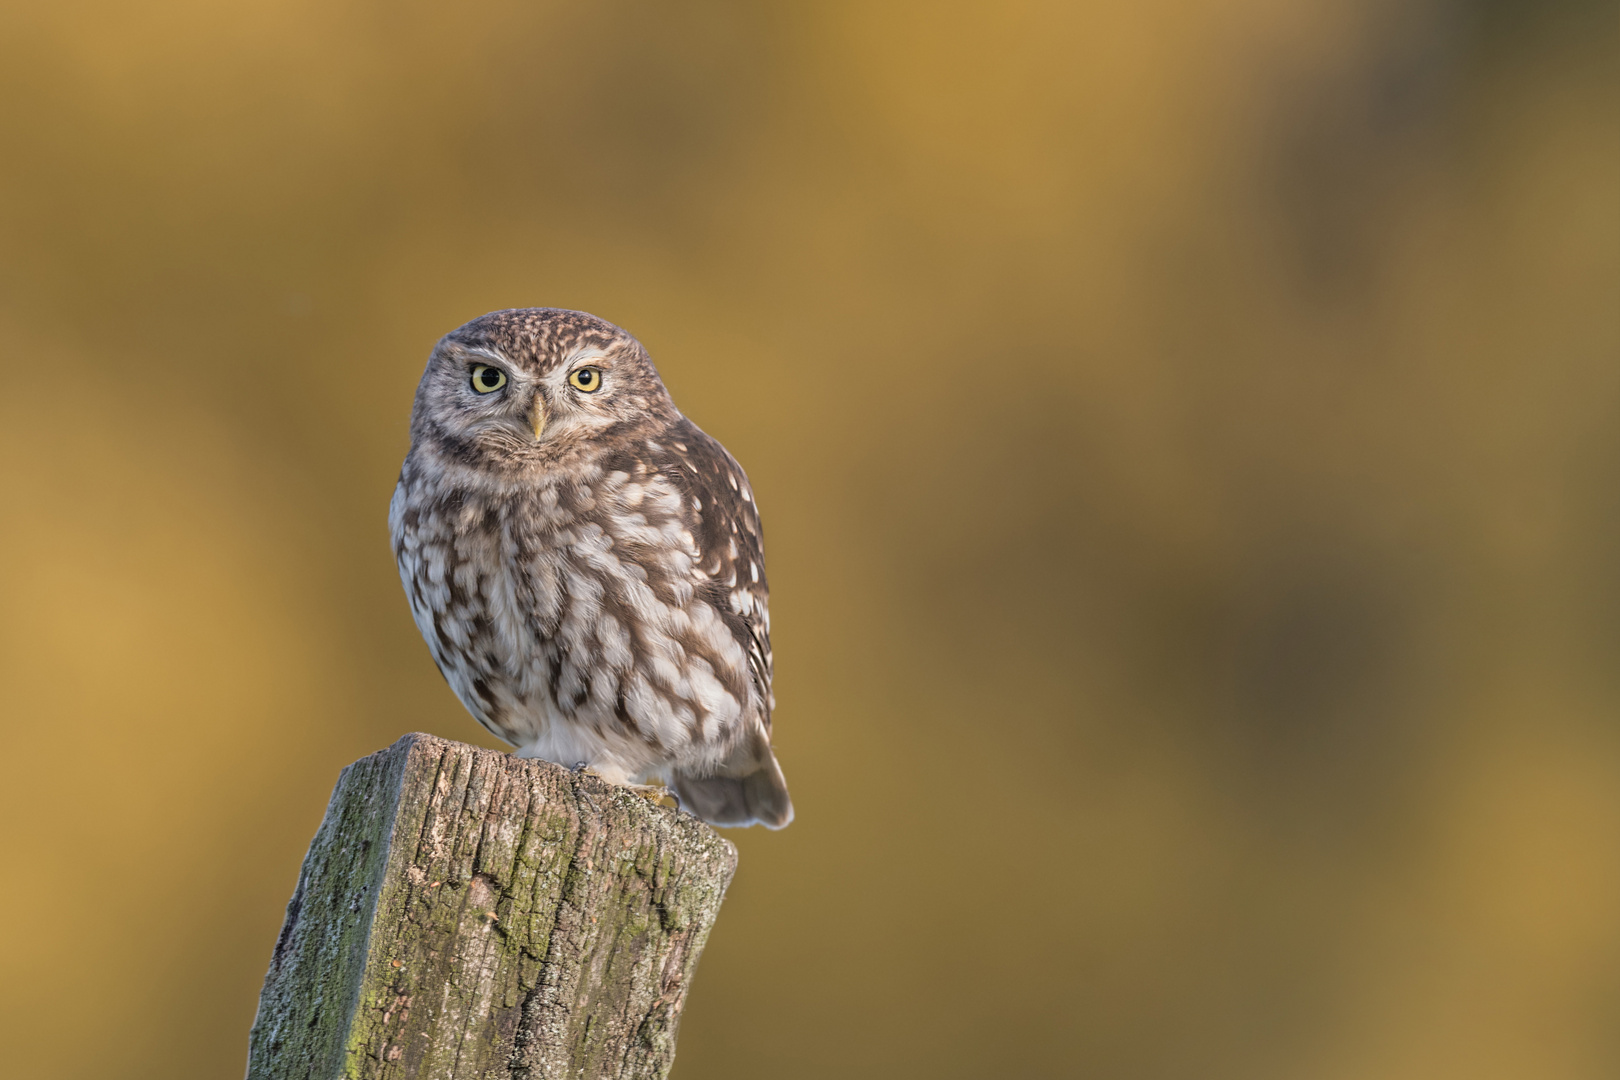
x=1188 y=434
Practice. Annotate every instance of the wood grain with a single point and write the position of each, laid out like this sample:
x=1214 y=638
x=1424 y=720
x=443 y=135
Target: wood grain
x=462 y=913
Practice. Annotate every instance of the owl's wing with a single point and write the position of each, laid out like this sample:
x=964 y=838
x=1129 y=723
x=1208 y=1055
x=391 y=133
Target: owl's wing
x=731 y=554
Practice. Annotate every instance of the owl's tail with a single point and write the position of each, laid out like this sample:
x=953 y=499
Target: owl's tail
x=747 y=790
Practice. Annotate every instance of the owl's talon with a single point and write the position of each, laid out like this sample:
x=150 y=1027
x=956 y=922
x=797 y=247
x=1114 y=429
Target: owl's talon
x=654 y=793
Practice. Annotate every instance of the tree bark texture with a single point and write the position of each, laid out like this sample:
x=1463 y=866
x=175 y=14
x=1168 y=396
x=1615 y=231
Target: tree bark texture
x=462 y=913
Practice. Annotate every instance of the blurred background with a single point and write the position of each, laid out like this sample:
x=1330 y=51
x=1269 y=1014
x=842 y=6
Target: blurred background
x=1188 y=443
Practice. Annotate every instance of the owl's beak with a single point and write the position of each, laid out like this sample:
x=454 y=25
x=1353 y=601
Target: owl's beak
x=537 y=416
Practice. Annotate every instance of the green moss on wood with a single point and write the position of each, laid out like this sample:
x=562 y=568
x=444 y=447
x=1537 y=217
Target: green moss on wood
x=462 y=913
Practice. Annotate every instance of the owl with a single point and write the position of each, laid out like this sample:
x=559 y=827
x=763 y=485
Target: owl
x=586 y=564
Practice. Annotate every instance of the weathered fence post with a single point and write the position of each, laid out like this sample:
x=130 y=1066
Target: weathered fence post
x=462 y=913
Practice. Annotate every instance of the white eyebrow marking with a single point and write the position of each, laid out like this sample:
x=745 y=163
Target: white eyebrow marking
x=584 y=354
x=485 y=354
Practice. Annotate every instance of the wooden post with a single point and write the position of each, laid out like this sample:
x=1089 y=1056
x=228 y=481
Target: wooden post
x=462 y=913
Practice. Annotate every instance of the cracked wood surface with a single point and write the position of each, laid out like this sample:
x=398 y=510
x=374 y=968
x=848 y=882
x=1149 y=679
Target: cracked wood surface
x=462 y=913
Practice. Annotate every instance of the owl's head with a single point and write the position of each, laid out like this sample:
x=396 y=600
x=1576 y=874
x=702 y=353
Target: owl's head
x=532 y=386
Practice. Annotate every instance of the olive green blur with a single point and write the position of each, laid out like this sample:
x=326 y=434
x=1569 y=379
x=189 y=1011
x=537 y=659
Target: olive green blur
x=1188 y=438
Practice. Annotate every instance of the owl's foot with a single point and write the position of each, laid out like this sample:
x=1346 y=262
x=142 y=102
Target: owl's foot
x=657 y=794
x=653 y=793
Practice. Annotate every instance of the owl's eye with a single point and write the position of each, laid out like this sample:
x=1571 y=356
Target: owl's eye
x=588 y=379
x=486 y=379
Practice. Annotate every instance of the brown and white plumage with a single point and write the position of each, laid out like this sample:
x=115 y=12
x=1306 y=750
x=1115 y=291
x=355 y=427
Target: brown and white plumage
x=586 y=564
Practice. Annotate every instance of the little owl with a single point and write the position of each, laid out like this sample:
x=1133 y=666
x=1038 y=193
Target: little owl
x=586 y=564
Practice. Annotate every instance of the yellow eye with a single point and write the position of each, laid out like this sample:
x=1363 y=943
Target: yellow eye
x=588 y=379
x=487 y=380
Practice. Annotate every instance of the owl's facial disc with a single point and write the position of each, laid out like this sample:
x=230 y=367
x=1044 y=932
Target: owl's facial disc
x=525 y=389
